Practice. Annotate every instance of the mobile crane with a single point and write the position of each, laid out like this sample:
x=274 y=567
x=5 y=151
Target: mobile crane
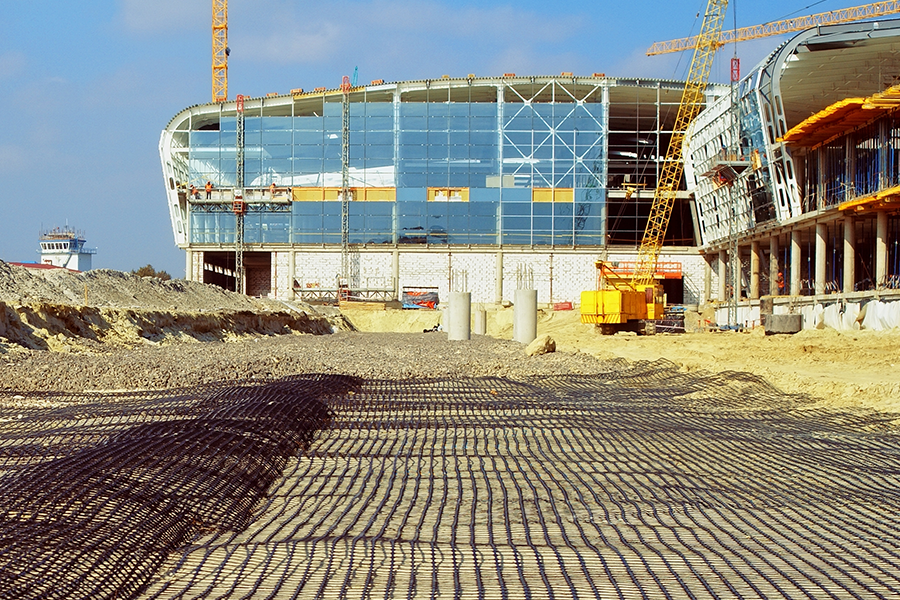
x=620 y=302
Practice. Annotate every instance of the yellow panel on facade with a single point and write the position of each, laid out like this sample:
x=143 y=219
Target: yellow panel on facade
x=318 y=194
x=376 y=194
x=542 y=195
x=307 y=194
x=552 y=195
x=448 y=194
x=564 y=195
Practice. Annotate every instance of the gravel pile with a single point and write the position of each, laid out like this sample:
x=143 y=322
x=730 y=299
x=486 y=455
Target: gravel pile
x=105 y=287
x=369 y=355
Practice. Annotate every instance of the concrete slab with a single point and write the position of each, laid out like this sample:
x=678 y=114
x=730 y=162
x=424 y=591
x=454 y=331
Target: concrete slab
x=782 y=323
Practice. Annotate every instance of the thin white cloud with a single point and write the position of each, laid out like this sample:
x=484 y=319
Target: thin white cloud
x=165 y=15
x=11 y=159
x=11 y=64
x=386 y=32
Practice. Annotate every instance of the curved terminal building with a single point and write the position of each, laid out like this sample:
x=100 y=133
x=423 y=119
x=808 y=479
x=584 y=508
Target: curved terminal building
x=488 y=185
x=796 y=175
x=471 y=184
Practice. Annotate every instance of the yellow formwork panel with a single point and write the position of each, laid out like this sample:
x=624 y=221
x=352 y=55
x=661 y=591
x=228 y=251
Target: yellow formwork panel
x=316 y=194
x=377 y=194
x=362 y=194
x=307 y=194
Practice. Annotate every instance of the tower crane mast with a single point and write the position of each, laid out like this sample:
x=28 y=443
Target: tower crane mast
x=220 y=50
x=346 y=86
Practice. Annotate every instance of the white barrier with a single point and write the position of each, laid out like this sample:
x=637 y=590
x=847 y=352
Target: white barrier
x=875 y=315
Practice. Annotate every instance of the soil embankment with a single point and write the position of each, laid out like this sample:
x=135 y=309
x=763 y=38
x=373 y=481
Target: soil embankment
x=62 y=311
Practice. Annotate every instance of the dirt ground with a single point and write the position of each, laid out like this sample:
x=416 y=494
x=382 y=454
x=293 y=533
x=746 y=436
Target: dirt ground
x=856 y=370
x=86 y=328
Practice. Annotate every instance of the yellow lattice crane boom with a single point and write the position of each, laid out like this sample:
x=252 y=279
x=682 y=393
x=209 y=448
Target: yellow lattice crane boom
x=618 y=302
x=673 y=165
x=220 y=50
x=844 y=15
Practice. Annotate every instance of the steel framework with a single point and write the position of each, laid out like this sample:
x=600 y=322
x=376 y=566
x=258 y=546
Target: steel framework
x=673 y=165
x=834 y=17
x=220 y=50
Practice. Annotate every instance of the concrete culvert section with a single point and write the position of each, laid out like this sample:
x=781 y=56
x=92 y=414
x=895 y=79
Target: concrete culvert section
x=639 y=480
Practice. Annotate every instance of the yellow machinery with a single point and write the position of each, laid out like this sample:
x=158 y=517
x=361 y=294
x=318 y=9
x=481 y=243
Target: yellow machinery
x=618 y=303
x=623 y=302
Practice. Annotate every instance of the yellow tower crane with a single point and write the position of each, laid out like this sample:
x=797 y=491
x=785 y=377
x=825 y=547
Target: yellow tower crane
x=844 y=15
x=220 y=50
x=618 y=301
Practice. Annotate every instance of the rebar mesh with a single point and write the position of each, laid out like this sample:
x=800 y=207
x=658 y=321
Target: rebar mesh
x=644 y=482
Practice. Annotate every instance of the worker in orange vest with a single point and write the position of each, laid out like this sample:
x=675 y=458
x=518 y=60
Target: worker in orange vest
x=208 y=190
x=272 y=190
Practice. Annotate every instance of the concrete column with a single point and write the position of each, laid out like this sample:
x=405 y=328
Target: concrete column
x=773 y=266
x=795 y=263
x=525 y=316
x=707 y=280
x=498 y=289
x=723 y=276
x=459 y=317
x=849 y=254
x=292 y=272
x=189 y=265
x=881 y=228
x=395 y=274
x=821 y=255
x=754 y=270
x=480 y=321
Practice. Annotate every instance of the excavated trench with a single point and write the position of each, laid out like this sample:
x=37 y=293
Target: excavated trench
x=642 y=482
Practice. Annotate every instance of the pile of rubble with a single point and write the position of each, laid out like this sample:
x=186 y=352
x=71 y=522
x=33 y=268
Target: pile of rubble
x=61 y=310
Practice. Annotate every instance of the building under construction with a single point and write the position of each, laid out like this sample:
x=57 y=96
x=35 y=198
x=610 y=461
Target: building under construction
x=795 y=174
x=492 y=184
x=472 y=184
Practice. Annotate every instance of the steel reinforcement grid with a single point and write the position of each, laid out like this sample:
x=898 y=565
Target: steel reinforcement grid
x=644 y=482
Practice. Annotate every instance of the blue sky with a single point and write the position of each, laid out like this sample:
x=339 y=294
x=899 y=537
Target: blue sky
x=86 y=87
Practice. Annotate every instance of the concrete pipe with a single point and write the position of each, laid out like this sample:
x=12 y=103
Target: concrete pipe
x=480 y=321
x=459 y=317
x=525 y=316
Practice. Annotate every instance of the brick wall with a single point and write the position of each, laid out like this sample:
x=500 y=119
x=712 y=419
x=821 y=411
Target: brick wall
x=559 y=276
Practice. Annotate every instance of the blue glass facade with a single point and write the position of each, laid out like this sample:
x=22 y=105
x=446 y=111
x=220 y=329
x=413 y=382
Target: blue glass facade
x=529 y=163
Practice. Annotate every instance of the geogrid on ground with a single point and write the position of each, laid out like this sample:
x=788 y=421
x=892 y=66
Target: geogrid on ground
x=635 y=481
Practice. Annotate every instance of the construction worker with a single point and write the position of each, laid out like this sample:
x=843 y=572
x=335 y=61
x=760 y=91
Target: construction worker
x=272 y=190
x=208 y=190
x=193 y=192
